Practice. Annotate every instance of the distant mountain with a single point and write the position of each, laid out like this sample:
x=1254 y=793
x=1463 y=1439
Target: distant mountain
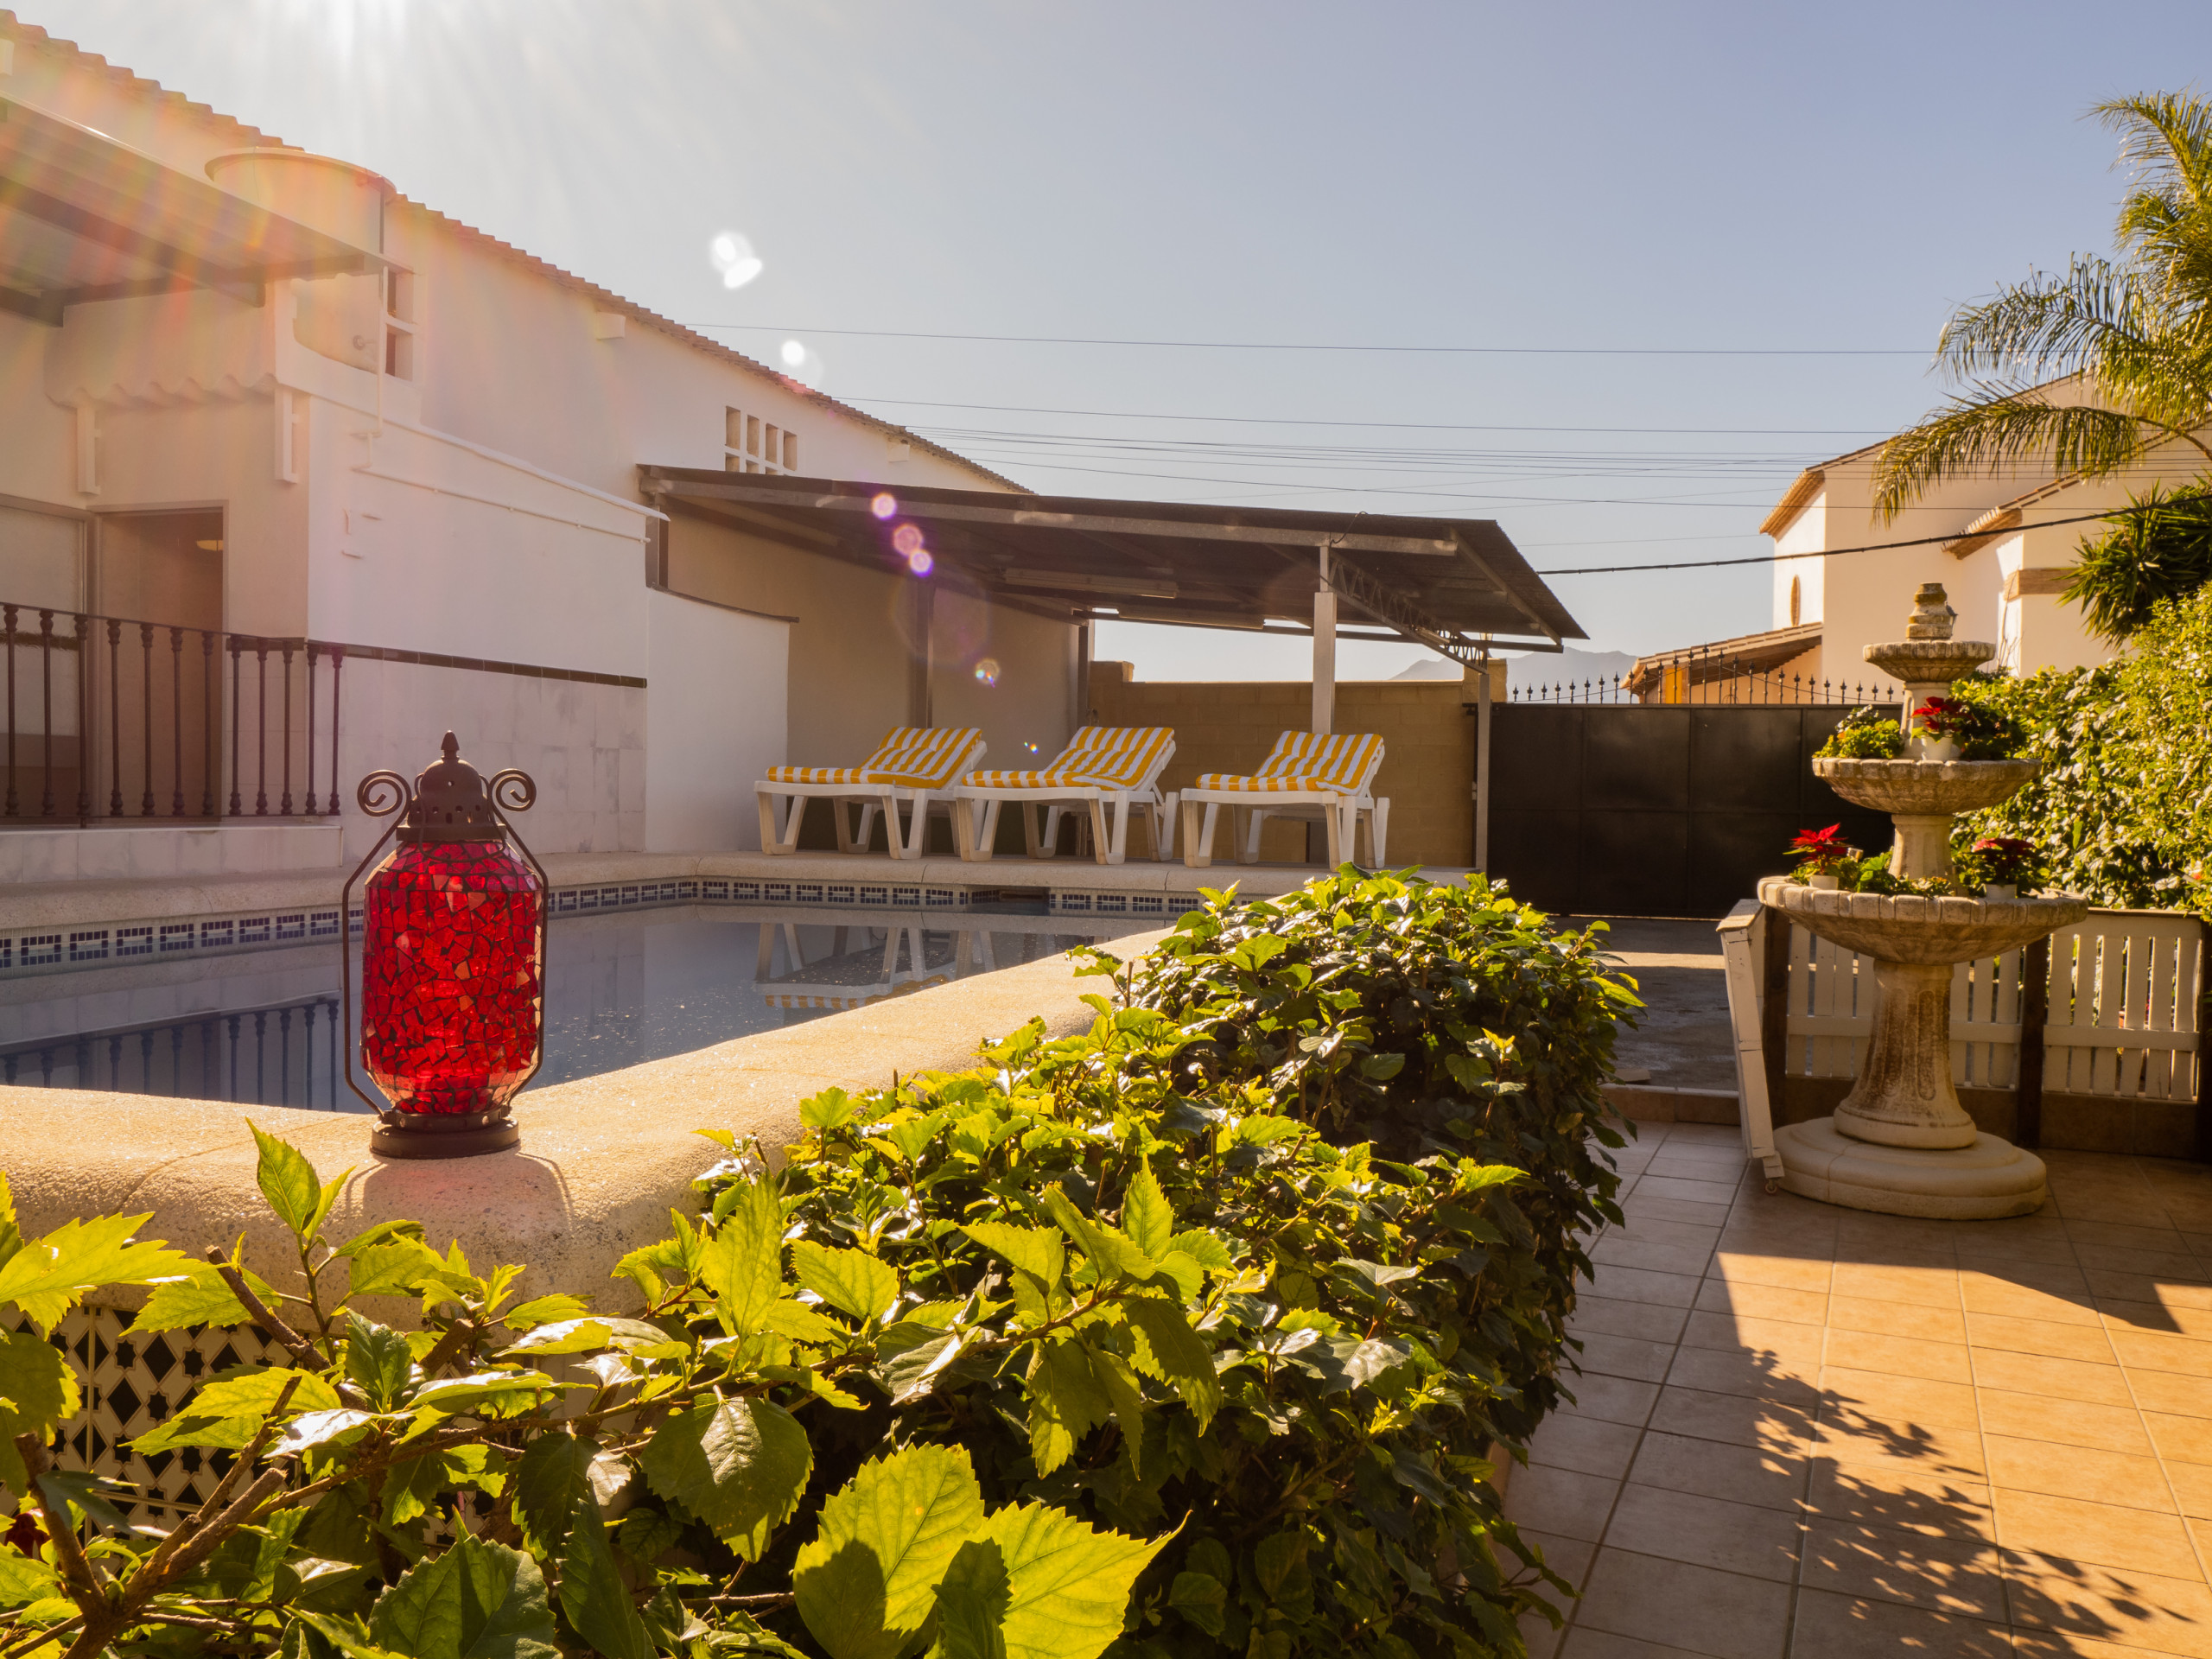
x=1430 y=668
x=1562 y=668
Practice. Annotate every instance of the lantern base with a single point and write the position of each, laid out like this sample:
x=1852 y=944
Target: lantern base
x=433 y=1139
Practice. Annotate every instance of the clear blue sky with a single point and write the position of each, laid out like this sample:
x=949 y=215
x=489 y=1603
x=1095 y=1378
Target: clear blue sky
x=1587 y=175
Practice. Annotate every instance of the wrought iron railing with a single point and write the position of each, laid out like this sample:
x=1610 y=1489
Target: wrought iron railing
x=112 y=717
x=1703 y=678
x=283 y=1055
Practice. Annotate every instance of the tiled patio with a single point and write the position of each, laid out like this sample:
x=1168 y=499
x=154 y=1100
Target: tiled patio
x=1805 y=1431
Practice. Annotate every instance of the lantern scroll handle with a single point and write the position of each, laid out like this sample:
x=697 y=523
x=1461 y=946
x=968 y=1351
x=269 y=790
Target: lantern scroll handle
x=514 y=791
x=382 y=793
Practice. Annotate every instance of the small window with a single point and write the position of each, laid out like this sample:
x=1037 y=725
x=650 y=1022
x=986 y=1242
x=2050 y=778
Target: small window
x=752 y=445
x=399 y=323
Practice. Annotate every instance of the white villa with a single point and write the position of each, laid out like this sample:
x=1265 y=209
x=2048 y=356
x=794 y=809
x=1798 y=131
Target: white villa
x=253 y=396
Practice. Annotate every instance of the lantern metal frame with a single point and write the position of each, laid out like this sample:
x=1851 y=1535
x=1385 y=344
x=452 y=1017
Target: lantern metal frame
x=385 y=793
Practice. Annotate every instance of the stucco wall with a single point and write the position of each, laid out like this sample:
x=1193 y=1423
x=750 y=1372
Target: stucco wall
x=715 y=721
x=1427 y=729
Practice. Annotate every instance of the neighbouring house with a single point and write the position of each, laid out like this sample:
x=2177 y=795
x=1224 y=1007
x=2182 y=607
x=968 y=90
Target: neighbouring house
x=277 y=432
x=2000 y=544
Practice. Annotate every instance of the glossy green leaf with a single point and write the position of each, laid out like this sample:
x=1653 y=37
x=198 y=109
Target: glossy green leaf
x=287 y=1181
x=743 y=1263
x=1069 y=1583
x=866 y=1583
x=378 y=1360
x=1147 y=1216
x=1168 y=1350
x=475 y=1600
x=50 y=1275
x=852 y=1281
x=37 y=1390
x=593 y=1596
x=740 y=1465
x=554 y=1472
x=227 y=1412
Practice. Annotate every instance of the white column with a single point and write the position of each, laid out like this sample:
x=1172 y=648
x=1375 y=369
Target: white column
x=1482 y=766
x=1325 y=650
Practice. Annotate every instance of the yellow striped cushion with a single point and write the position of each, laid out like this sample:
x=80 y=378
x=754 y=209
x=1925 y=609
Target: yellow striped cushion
x=912 y=757
x=1097 y=757
x=1302 y=763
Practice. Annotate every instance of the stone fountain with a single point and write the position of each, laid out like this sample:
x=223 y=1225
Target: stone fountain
x=1900 y=1142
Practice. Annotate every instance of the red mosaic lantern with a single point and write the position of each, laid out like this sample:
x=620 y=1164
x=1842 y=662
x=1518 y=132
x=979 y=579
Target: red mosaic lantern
x=453 y=960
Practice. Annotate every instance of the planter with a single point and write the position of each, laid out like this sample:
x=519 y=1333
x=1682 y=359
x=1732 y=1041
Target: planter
x=1825 y=883
x=2001 y=890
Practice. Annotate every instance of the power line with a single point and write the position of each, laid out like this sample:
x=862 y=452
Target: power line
x=1300 y=346
x=1406 y=426
x=1810 y=552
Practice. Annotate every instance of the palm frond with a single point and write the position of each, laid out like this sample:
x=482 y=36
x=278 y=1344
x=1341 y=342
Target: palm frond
x=2050 y=324
x=1994 y=429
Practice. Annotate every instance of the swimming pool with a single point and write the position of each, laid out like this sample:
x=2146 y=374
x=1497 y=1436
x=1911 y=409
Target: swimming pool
x=262 y=1028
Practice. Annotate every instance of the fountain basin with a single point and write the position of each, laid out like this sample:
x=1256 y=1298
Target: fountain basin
x=1986 y=1179
x=1924 y=788
x=1909 y=928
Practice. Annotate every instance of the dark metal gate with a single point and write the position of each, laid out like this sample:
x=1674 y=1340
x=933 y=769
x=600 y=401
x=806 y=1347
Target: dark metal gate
x=1658 y=810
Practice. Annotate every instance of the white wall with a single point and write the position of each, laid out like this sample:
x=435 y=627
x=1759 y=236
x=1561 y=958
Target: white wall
x=714 y=723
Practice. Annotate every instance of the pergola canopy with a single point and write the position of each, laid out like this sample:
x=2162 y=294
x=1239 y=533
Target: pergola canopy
x=83 y=218
x=1455 y=585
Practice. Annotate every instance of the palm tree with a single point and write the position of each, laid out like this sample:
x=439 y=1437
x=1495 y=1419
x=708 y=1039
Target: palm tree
x=2138 y=331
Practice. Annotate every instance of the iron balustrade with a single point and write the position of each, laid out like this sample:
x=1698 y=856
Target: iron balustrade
x=1704 y=677
x=285 y=1054
x=142 y=706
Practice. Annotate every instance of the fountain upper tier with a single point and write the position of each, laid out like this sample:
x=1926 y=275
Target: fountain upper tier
x=1910 y=928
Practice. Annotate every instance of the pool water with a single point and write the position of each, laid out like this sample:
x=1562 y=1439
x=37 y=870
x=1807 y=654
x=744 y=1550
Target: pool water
x=263 y=1029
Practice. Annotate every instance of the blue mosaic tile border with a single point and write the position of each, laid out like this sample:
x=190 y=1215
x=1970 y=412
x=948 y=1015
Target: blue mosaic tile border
x=1165 y=906
x=57 y=949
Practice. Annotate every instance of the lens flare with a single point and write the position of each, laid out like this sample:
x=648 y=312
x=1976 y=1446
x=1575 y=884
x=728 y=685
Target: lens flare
x=987 y=672
x=907 y=538
x=920 y=562
x=885 y=506
x=794 y=354
x=1032 y=748
x=732 y=255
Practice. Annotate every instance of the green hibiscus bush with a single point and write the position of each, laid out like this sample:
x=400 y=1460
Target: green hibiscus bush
x=1197 y=1333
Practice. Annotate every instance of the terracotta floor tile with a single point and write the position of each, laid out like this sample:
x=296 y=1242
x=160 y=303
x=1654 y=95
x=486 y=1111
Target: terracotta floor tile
x=1641 y=1206
x=1699 y=1165
x=1754 y=1371
x=1675 y=1603
x=2097 y=1203
x=1559 y=1501
x=2171 y=1392
x=1583 y=1642
x=1784 y=1340
x=1831 y=1626
x=1687 y=1191
x=2039 y=1644
x=2108 y=1287
x=1996 y=1250
x=1855 y=1434
x=1643 y=1285
x=1945 y=1575
x=1645 y=1321
x=2103 y=1535
x=2192 y=1487
x=1704 y=1531
x=1860 y=1351
x=1900 y=1498
x=1690 y=1258
x=2111 y=1610
x=1763 y=1301
x=1897 y=1319
x=2049 y=1338
x=2115 y=1477
x=1897 y=1404
x=1912 y=1287
x=2059 y=1379
x=1589 y=1445
x=1615 y=1399
x=1984 y=1292
x=1624 y=1356
x=2180 y=1440
x=1571 y=1558
x=2124 y=1236
x=1768 y=1477
x=2068 y=1422
x=1790 y=1273
x=1661 y=1229
x=2178 y=1264
x=2152 y=1351
x=1734 y=1419
x=2159 y=1318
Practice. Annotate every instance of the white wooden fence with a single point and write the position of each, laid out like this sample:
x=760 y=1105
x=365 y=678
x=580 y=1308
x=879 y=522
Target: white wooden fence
x=2120 y=1016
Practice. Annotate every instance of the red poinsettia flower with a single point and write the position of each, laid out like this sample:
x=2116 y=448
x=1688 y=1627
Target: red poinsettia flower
x=1820 y=843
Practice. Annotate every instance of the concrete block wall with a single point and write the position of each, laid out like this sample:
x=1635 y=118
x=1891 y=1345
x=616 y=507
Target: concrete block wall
x=1427 y=729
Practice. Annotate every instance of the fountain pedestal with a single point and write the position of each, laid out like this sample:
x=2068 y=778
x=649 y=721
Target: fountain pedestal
x=1900 y=1142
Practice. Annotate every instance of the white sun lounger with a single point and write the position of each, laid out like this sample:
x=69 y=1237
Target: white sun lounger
x=1303 y=777
x=910 y=766
x=1102 y=765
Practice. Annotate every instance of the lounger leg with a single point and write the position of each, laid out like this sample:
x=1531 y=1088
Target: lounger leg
x=1197 y=844
x=840 y=812
x=1332 y=825
x=1378 y=831
x=1163 y=828
x=917 y=825
x=972 y=825
x=1248 y=846
x=1030 y=818
x=1104 y=851
x=772 y=834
